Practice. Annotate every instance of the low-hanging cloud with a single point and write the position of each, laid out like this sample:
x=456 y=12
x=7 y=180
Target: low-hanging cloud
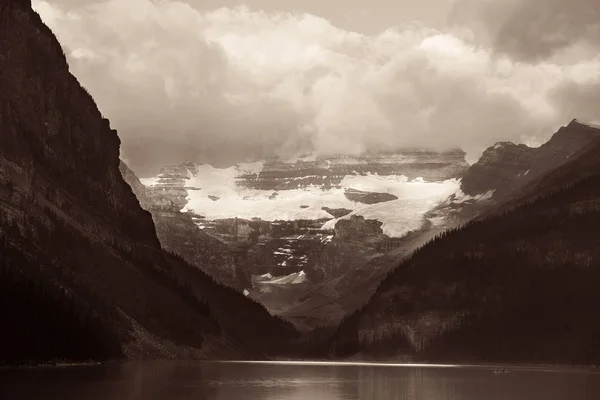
x=231 y=84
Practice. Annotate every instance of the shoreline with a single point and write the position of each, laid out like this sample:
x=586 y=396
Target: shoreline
x=324 y=363
x=405 y=364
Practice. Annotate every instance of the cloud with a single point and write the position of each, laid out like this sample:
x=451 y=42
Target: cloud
x=233 y=83
x=533 y=30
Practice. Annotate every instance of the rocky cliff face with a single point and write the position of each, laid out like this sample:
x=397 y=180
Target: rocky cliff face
x=178 y=232
x=71 y=225
x=507 y=168
x=330 y=171
x=54 y=139
x=498 y=167
x=507 y=172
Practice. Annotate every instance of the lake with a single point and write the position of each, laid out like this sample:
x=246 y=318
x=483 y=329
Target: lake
x=293 y=381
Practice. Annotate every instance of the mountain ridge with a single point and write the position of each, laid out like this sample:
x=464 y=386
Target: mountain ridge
x=507 y=167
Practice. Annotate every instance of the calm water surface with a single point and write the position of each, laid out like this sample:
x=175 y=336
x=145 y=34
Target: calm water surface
x=224 y=381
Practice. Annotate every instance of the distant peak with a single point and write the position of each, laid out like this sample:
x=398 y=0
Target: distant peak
x=502 y=144
x=505 y=145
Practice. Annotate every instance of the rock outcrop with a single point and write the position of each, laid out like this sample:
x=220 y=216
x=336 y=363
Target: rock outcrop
x=498 y=167
x=361 y=196
x=357 y=228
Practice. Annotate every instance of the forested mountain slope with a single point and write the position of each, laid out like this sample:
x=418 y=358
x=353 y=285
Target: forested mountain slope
x=521 y=286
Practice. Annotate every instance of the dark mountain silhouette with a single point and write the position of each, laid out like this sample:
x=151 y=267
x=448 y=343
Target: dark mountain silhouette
x=519 y=285
x=83 y=275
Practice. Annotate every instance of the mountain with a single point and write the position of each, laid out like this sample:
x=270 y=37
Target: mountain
x=584 y=163
x=518 y=285
x=178 y=231
x=507 y=169
x=83 y=274
x=337 y=222
x=341 y=221
x=507 y=172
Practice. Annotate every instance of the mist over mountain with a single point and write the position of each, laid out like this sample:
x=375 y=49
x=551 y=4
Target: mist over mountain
x=311 y=238
x=184 y=82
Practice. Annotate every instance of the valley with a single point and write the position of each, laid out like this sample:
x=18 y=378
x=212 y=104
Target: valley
x=410 y=255
x=300 y=236
x=310 y=238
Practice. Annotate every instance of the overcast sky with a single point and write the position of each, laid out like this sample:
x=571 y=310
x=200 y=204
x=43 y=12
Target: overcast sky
x=213 y=81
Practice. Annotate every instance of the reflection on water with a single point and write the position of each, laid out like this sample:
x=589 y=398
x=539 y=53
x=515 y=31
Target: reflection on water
x=224 y=381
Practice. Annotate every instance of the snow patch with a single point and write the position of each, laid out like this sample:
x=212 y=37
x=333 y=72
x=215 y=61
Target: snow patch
x=415 y=198
x=406 y=214
x=461 y=197
x=291 y=279
x=304 y=158
x=253 y=168
x=437 y=221
x=328 y=238
x=249 y=203
x=149 y=182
